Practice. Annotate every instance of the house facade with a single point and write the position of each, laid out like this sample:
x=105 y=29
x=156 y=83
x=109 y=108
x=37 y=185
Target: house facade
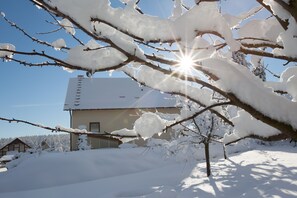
x=15 y=145
x=107 y=104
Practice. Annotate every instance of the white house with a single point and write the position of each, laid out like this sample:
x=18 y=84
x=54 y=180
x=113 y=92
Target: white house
x=108 y=104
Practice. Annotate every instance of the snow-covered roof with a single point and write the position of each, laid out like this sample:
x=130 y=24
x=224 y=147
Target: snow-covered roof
x=113 y=93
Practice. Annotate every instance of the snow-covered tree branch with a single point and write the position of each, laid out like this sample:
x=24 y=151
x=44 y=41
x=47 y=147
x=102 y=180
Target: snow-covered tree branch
x=187 y=54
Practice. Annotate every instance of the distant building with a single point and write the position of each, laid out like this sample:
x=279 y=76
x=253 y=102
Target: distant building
x=109 y=104
x=15 y=145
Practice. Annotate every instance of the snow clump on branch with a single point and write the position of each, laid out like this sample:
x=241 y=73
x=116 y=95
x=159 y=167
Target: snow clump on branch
x=289 y=40
x=58 y=44
x=149 y=124
x=65 y=23
x=93 y=57
x=6 y=46
x=146 y=126
x=245 y=125
x=149 y=28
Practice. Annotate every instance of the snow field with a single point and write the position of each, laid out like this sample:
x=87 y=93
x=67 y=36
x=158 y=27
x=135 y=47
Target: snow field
x=141 y=172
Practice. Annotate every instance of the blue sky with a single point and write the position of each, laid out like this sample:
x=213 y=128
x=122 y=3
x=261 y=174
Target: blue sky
x=33 y=94
x=38 y=94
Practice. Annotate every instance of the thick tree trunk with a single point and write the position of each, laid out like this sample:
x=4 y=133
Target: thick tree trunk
x=207 y=160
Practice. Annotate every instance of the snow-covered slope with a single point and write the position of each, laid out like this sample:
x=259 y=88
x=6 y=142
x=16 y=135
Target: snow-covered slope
x=139 y=172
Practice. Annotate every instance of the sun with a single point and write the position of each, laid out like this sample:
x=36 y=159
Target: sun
x=186 y=63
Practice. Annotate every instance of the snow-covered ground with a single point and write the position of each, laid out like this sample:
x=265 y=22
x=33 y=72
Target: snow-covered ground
x=266 y=171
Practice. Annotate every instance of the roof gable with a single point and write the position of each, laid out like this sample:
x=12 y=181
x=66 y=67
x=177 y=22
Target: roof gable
x=113 y=93
x=15 y=141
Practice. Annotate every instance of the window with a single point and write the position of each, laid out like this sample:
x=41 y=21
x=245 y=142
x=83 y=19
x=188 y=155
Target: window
x=95 y=127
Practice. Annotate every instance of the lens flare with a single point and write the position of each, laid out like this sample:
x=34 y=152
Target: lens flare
x=185 y=64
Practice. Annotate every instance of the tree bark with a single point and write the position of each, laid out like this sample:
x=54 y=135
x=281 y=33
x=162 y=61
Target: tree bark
x=225 y=152
x=207 y=160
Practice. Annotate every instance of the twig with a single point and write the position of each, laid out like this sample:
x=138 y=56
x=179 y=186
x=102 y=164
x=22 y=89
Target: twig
x=29 y=36
x=53 y=31
x=198 y=113
x=67 y=130
x=203 y=136
x=275 y=75
x=73 y=36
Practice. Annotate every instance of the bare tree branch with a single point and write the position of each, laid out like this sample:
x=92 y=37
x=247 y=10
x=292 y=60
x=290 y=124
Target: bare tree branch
x=198 y=113
x=50 y=32
x=63 y=27
x=268 y=139
x=28 y=35
x=67 y=130
x=202 y=135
